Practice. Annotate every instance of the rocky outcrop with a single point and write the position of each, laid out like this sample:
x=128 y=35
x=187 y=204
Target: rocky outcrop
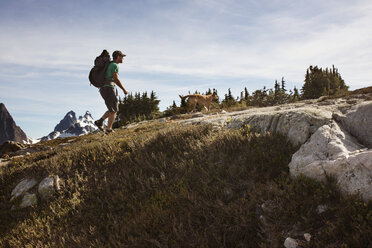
x=357 y=121
x=25 y=193
x=334 y=137
x=9 y=131
x=333 y=152
x=10 y=147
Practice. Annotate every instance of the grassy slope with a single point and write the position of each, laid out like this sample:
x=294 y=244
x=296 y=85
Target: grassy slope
x=164 y=185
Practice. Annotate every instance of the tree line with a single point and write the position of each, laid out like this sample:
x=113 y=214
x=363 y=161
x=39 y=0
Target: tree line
x=318 y=82
x=137 y=107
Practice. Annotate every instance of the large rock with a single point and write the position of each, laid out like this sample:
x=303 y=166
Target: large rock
x=25 y=195
x=358 y=121
x=297 y=124
x=48 y=187
x=331 y=151
x=333 y=135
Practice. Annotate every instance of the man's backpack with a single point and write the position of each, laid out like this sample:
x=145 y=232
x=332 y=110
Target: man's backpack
x=97 y=73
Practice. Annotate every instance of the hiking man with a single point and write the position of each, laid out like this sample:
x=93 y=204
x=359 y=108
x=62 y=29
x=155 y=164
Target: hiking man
x=109 y=93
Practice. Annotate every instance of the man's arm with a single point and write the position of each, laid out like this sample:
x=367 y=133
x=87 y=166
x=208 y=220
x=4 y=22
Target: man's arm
x=118 y=83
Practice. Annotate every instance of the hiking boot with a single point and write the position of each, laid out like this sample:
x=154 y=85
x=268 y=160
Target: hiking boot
x=108 y=131
x=99 y=124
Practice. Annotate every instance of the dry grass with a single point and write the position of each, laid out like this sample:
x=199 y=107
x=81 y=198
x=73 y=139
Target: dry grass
x=164 y=185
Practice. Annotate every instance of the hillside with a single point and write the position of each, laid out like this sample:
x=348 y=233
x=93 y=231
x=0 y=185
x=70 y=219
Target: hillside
x=219 y=180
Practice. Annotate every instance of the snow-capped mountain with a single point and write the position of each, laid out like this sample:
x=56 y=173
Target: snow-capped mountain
x=71 y=126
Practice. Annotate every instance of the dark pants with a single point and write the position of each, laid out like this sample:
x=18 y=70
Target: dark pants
x=111 y=101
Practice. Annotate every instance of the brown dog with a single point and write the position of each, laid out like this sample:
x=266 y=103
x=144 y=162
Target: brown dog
x=203 y=100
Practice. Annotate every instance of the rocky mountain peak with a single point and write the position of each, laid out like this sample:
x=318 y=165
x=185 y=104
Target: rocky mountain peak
x=8 y=128
x=72 y=126
x=2 y=107
x=67 y=121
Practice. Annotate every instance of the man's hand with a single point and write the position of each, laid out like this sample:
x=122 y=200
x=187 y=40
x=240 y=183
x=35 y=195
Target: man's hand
x=118 y=83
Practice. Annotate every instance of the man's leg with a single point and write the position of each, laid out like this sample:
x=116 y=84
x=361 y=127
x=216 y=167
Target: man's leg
x=111 y=119
x=105 y=115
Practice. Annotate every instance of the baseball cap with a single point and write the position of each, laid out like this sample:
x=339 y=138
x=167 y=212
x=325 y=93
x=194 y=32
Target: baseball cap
x=118 y=53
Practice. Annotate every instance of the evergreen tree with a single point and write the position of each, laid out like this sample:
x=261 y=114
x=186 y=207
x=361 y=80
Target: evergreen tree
x=276 y=92
x=229 y=100
x=246 y=94
x=319 y=82
x=283 y=85
x=136 y=108
x=296 y=95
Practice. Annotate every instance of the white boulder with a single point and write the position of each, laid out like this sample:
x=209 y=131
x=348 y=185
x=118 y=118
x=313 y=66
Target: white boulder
x=22 y=188
x=331 y=151
x=358 y=121
x=28 y=200
x=25 y=195
x=48 y=187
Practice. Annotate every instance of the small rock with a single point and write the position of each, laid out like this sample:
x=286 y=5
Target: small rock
x=47 y=148
x=290 y=243
x=197 y=115
x=22 y=188
x=63 y=145
x=4 y=162
x=28 y=200
x=307 y=237
x=321 y=209
x=176 y=117
x=223 y=112
x=162 y=120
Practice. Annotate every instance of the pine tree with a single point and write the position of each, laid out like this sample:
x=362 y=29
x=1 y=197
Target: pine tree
x=320 y=82
x=276 y=92
x=283 y=85
x=296 y=95
x=246 y=94
x=229 y=100
x=137 y=107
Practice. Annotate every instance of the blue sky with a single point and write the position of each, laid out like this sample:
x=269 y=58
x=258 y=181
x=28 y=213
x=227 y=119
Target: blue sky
x=47 y=48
